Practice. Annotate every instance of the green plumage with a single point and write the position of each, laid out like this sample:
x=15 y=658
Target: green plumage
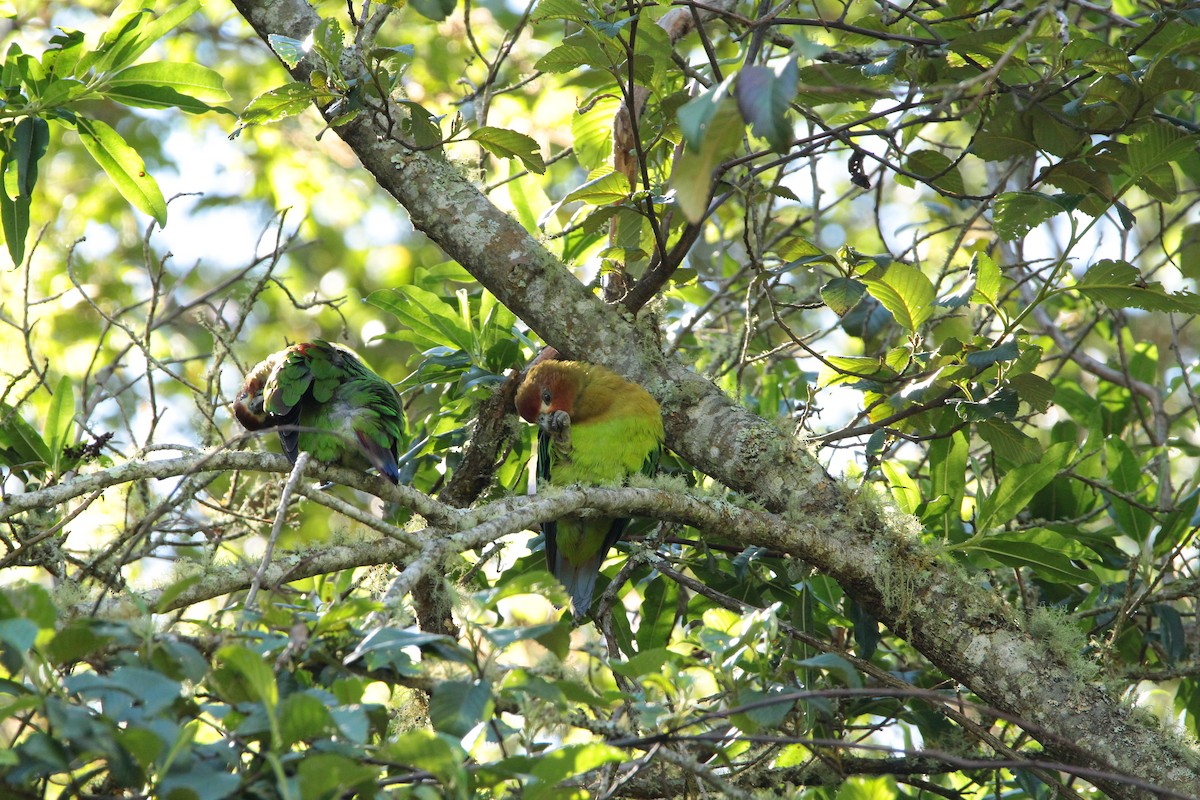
x=326 y=401
x=595 y=428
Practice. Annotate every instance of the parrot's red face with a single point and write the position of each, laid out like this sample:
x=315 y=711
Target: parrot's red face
x=546 y=389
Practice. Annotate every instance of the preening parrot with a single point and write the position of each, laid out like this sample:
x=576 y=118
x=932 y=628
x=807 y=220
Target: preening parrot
x=594 y=427
x=326 y=401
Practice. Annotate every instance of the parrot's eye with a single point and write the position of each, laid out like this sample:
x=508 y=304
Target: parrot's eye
x=546 y=396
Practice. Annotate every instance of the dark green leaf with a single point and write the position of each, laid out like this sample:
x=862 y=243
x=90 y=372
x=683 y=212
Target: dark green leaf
x=458 y=706
x=764 y=97
x=1017 y=213
x=1118 y=284
x=842 y=294
x=1019 y=485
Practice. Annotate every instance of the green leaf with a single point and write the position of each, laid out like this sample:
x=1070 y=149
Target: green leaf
x=1008 y=443
x=510 y=144
x=936 y=169
x=563 y=763
x=435 y=753
x=1016 y=550
x=1118 y=284
x=130 y=35
x=905 y=292
x=18 y=176
x=458 y=706
x=1019 y=485
x=124 y=168
x=60 y=419
x=562 y=9
x=565 y=58
x=904 y=489
x=430 y=321
x=251 y=673
x=164 y=84
x=18 y=436
x=1017 y=213
x=985 y=358
x=712 y=127
x=192 y=80
x=609 y=187
x=987 y=279
x=303 y=717
x=1033 y=390
x=657 y=612
x=764 y=97
x=286 y=101
x=436 y=10
x=697 y=116
x=31 y=137
x=842 y=294
x=290 y=51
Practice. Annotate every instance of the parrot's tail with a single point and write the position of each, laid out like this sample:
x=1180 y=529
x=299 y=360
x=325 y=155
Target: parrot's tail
x=381 y=458
x=580 y=580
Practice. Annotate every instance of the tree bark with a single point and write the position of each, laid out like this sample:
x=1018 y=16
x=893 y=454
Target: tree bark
x=877 y=558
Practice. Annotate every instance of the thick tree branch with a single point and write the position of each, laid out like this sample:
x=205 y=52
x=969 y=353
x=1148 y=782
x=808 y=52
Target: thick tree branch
x=961 y=627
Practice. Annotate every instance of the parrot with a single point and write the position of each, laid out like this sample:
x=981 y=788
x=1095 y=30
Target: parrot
x=326 y=401
x=595 y=428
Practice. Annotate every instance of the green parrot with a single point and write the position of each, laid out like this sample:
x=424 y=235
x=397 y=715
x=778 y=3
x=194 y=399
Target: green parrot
x=596 y=428
x=326 y=401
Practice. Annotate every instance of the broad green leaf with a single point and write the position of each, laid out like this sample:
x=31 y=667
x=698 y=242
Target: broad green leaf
x=936 y=169
x=438 y=754
x=430 y=322
x=609 y=187
x=842 y=294
x=565 y=58
x=18 y=174
x=1015 y=214
x=987 y=279
x=657 y=613
x=562 y=9
x=1118 y=284
x=1014 y=550
x=1002 y=352
x=256 y=678
x=1126 y=473
x=719 y=134
x=192 y=80
x=21 y=438
x=1033 y=389
x=904 y=489
x=163 y=84
x=286 y=101
x=1009 y=443
x=303 y=717
x=905 y=292
x=510 y=144
x=327 y=775
x=31 y=137
x=290 y=51
x=764 y=96
x=458 y=706
x=698 y=116
x=124 y=168
x=563 y=763
x=1019 y=485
